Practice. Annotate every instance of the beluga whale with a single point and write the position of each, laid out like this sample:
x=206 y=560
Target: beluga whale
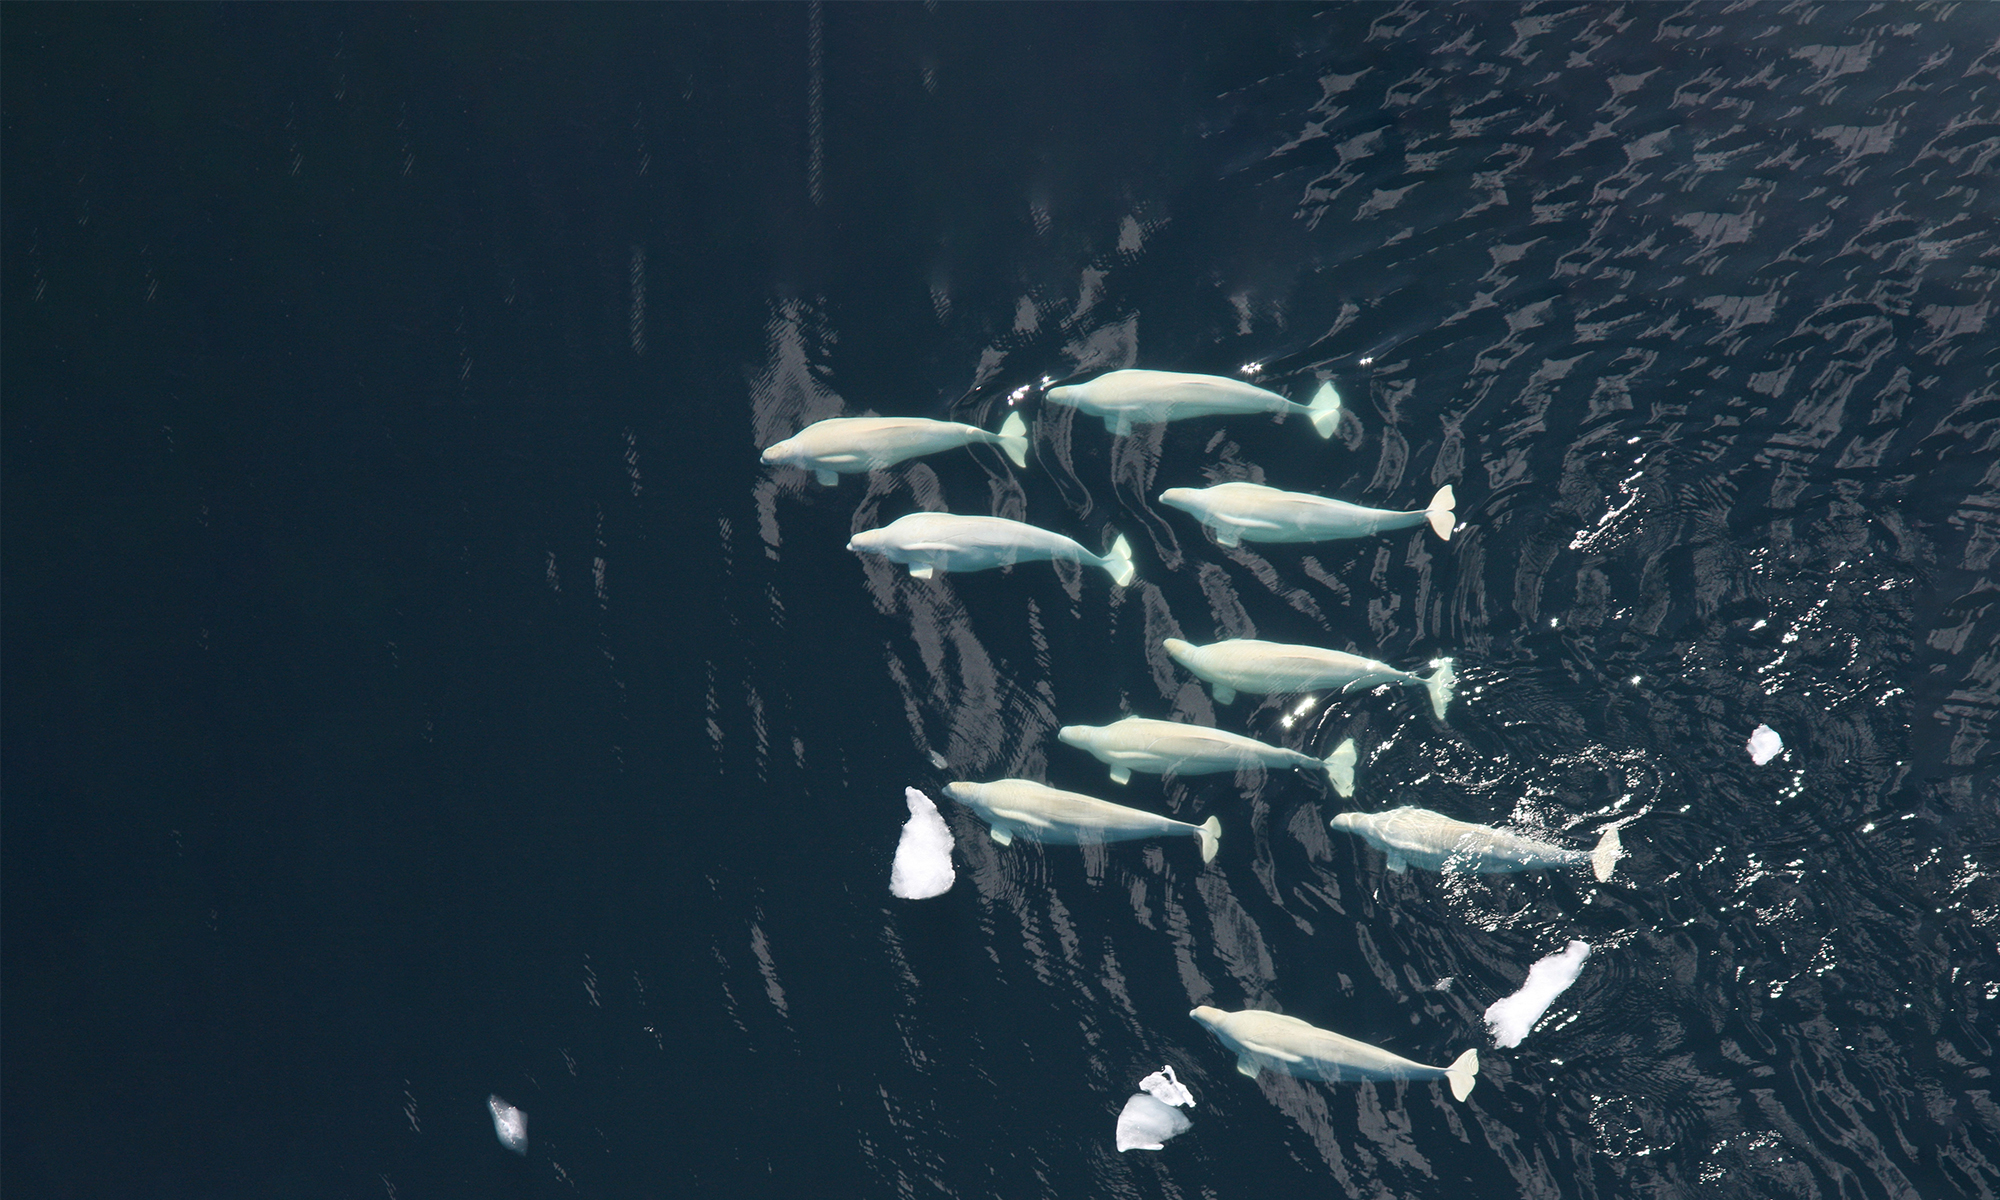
x=1292 y=1047
x=1420 y=837
x=1021 y=808
x=1157 y=747
x=1262 y=668
x=933 y=542
x=1131 y=397
x=856 y=445
x=1250 y=512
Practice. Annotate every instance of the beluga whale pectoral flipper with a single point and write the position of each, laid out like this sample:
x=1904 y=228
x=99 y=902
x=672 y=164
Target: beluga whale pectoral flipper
x=1264 y=668
x=855 y=445
x=1023 y=808
x=931 y=542
x=1419 y=837
x=1157 y=747
x=1241 y=512
x=1131 y=397
x=1268 y=1040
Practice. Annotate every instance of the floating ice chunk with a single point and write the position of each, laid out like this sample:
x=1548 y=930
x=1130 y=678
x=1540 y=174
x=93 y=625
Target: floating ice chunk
x=1152 y=1115
x=923 y=855
x=1765 y=744
x=1146 y=1124
x=1163 y=1085
x=510 y=1123
x=1511 y=1017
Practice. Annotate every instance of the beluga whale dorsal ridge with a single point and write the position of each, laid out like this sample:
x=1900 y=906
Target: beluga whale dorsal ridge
x=855 y=445
x=1271 y=1041
x=1132 y=396
x=1023 y=808
x=1412 y=836
x=1241 y=512
x=1265 y=668
x=929 y=543
x=1157 y=747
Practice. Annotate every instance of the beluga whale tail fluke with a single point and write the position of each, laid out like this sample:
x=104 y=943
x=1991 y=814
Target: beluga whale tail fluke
x=1442 y=513
x=1442 y=684
x=1462 y=1074
x=1605 y=855
x=1118 y=561
x=1324 y=411
x=1340 y=767
x=1014 y=439
x=1210 y=833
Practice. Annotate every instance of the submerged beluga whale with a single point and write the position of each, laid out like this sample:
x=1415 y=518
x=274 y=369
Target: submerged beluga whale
x=1157 y=747
x=1260 y=668
x=1439 y=843
x=1250 y=512
x=1023 y=808
x=1131 y=397
x=1293 y=1047
x=855 y=445
x=931 y=542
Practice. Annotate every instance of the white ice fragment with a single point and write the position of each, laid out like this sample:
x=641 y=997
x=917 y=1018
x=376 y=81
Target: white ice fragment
x=1765 y=744
x=1151 y=1115
x=1511 y=1017
x=1146 y=1124
x=1163 y=1085
x=923 y=854
x=510 y=1123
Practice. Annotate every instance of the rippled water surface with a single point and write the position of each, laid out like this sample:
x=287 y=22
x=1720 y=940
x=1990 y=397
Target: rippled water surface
x=418 y=690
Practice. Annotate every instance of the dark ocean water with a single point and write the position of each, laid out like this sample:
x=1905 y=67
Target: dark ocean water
x=415 y=689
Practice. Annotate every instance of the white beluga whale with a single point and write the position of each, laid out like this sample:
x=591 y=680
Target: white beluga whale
x=1021 y=808
x=1250 y=512
x=855 y=445
x=1293 y=1047
x=931 y=542
x=1420 y=837
x=1157 y=747
x=1135 y=397
x=1262 y=668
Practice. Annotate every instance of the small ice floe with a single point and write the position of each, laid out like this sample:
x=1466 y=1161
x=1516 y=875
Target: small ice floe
x=923 y=855
x=1163 y=1085
x=1765 y=744
x=1511 y=1017
x=1153 y=1114
x=510 y=1123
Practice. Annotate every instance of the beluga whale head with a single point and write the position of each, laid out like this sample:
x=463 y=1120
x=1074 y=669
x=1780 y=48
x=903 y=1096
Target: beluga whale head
x=1184 y=499
x=869 y=541
x=1076 y=735
x=785 y=453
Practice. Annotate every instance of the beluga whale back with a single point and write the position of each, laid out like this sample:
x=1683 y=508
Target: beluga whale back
x=1292 y=1047
x=1022 y=808
x=1262 y=668
x=931 y=542
x=1250 y=512
x=1157 y=747
x=1131 y=397
x=855 y=445
x=1420 y=837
